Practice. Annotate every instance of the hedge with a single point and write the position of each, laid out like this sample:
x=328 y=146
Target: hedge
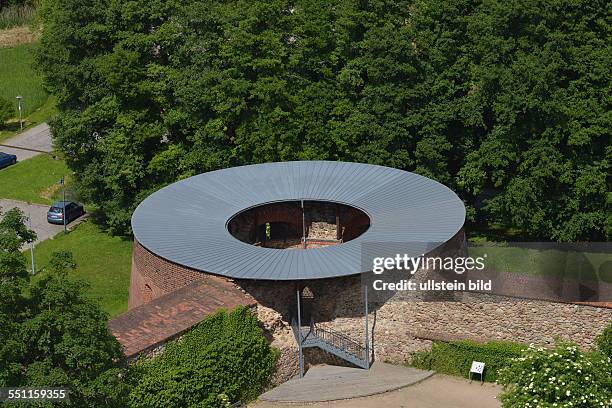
x=225 y=358
x=456 y=357
x=604 y=341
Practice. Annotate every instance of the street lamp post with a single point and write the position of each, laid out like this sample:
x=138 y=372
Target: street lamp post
x=63 y=183
x=31 y=242
x=19 y=98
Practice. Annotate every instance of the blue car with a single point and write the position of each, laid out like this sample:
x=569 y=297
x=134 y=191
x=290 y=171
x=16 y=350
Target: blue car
x=7 y=159
x=55 y=215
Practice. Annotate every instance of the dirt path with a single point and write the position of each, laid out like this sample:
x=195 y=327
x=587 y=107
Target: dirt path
x=12 y=37
x=439 y=391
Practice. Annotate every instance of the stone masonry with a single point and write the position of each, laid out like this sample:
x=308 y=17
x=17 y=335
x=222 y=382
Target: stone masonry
x=398 y=326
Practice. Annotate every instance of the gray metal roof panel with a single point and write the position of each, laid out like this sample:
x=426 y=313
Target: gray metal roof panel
x=186 y=222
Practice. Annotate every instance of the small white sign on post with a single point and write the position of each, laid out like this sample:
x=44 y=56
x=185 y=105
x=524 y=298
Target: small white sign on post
x=477 y=368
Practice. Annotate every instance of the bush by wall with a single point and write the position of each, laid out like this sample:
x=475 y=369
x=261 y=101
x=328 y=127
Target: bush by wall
x=604 y=341
x=561 y=377
x=224 y=358
x=456 y=357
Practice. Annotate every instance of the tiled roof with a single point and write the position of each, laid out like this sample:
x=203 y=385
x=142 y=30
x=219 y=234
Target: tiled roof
x=153 y=323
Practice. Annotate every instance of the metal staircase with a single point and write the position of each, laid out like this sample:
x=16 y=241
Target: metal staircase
x=333 y=342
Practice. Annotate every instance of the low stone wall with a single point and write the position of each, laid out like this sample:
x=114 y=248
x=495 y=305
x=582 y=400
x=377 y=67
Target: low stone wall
x=398 y=326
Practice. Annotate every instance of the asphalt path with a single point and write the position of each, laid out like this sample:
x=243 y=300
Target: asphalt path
x=29 y=143
x=37 y=214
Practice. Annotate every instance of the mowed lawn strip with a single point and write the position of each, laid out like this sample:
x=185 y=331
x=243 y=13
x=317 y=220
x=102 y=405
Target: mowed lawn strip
x=103 y=261
x=34 y=180
x=18 y=78
x=545 y=262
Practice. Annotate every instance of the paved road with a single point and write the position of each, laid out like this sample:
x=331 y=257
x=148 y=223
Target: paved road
x=36 y=138
x=38 y=214
x=435 y=392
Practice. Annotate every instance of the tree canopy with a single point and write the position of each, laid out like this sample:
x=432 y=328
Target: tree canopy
x=506 y=103
x=52 y=334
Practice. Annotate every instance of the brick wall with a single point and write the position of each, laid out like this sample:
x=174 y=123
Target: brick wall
x=153 y=276
x=320 y=220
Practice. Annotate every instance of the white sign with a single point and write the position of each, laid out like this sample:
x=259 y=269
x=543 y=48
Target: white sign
x=477 y=367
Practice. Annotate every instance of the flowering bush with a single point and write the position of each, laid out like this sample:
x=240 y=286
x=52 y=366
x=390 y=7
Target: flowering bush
x=561 y=377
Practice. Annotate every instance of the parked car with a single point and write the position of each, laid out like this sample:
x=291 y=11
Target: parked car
x=7 y=159
x=55 y=215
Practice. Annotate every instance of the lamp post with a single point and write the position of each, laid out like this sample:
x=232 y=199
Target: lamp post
x=63 y=184
x=19 y=98
x=31 y=243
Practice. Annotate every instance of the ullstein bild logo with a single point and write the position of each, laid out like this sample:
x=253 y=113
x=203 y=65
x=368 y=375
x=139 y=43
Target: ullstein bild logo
x=412 y=264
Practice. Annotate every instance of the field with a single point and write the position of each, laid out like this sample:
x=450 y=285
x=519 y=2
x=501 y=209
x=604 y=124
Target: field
x=549 y=260
x=17 y=77
x=34 y=180
x=102 y=261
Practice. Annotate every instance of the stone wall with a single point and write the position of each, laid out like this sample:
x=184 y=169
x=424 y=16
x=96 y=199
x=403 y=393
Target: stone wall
x=398 y=325
x=320 y=221
x=403 y=324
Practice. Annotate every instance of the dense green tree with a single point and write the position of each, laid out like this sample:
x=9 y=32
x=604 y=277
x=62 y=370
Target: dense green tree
x=52 y=333
x=13 y=280
x=542 y=72
x=507 y=103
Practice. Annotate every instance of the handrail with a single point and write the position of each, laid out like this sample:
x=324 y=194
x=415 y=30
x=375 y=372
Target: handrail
x=331 y=338
x=341 y=341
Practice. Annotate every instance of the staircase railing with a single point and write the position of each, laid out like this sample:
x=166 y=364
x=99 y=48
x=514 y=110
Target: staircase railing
x=331 y=341
x=340 y=341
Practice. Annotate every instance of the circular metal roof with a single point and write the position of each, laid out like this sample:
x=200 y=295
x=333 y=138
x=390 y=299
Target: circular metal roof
x=185 y=222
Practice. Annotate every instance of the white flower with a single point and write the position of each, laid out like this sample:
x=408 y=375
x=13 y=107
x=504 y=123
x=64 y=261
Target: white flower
x=567 y=393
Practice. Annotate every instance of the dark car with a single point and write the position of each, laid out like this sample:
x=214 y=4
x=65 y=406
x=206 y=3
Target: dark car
x=7 y=159
x=55 y=215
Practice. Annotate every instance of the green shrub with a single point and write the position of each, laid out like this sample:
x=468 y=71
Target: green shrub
x=224 y=358
x=7 y=111
x=456 y=357
x=604 y=341
x=562 y=377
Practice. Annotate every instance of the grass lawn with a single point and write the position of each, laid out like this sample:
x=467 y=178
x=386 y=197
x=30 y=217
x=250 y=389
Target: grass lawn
x=40 y=115
x=17 y=77
x=545 y=262
x=103 y=262
x=34 y=180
